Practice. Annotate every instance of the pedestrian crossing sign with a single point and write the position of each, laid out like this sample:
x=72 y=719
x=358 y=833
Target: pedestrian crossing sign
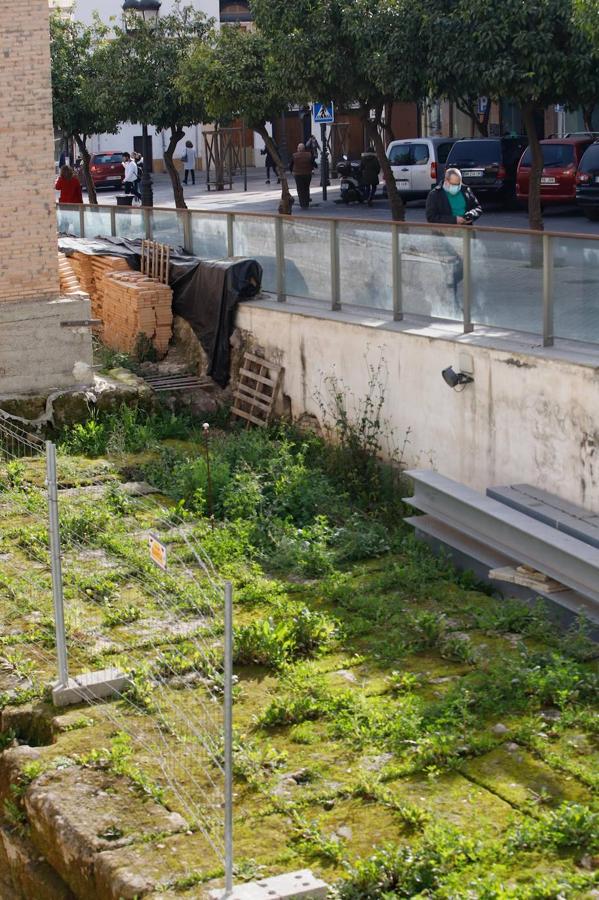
x=324 y=113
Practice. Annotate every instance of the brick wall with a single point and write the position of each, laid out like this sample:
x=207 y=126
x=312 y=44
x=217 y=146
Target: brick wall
x=28 y=256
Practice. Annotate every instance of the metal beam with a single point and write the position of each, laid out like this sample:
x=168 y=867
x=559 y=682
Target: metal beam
x=508 y=531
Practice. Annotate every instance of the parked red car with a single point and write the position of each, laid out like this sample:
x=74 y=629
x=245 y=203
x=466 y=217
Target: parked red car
x=106 y=169
x=558 y=178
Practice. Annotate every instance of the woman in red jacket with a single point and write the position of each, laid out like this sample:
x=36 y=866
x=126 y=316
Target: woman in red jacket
x=69 y=186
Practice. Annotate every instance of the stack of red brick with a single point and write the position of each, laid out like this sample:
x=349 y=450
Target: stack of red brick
x=128 y=303
x=133 y=304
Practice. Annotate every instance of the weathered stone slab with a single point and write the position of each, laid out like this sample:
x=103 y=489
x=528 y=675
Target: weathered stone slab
x=76 y=814
x=23 y=874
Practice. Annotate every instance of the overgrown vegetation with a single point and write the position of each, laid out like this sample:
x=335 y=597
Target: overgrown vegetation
x=406 y=733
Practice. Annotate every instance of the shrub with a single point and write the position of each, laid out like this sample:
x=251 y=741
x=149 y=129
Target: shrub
x=86 y=439
x=572 y=826
x=361 y=538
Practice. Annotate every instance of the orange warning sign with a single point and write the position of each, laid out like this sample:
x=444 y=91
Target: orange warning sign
x=157 y=551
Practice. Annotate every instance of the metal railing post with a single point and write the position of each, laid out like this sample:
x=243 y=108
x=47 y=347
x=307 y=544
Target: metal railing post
x=148 y=222
x=396 y=273
x=280 y=259
x=230 y=236
x=467 y=281
x=187 y=231
x=547 y=290
x=55 y=560
x=228 y=738
x=335 y=274
x=113 y=221
x=82 y=221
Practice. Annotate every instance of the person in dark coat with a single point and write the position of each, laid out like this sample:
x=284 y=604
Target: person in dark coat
x=269 y=163
x=371 y=168
x=452 y=203
x=302 y=165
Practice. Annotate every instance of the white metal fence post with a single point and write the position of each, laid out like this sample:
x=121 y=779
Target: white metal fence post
x=54 y=532
x=228 y=727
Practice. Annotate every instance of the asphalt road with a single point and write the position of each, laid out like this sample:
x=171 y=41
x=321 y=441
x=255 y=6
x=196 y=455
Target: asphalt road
x=261 y=197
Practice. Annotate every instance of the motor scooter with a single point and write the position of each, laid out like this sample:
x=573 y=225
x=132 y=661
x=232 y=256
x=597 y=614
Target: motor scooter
x=351 y=188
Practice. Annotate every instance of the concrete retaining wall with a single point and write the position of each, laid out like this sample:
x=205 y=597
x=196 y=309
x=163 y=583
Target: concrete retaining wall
x=37 y=353
x=528 y=417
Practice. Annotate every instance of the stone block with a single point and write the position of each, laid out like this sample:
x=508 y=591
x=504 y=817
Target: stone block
x=37 y=353
x=300 y=885
x=90 y=686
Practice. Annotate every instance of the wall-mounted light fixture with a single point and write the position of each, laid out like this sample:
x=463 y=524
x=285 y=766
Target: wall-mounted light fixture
x=453 y=378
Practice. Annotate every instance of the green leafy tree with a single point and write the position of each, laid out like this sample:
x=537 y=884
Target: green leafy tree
x=351 y=51
x=534 y=53
x=239 y=79
x=141 y=66
x=78 y=110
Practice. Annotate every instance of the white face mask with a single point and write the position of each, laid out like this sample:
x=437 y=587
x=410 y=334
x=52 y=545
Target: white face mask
x=452 y=188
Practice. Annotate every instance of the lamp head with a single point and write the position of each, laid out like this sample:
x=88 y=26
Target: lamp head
x=453 y=379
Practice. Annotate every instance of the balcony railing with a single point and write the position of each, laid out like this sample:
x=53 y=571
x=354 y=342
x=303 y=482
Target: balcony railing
x=544 y=284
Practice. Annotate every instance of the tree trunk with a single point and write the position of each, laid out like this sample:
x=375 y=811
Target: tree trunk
x=286 y=198
x=475 y=122
x=177 y=134
x=587 y=116
x=398 y=210
x=85 y=156
x=535 y=217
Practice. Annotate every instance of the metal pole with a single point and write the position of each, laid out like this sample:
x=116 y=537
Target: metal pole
x=335 y=274
x=230 y=243
x=396 y=273
x=54 y=530
x=280 y=256
x=324 y=161
x=228 y=723
x=547 y=290
x=187 y=231
x=468 y=327
x=147 y=194
x=113 y=221
x=82 y=221
x=245 y=158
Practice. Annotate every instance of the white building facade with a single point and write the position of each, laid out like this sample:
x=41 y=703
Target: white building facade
x=128 y=136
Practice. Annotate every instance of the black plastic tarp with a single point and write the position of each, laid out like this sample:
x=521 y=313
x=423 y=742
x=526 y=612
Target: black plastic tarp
x=205 y=291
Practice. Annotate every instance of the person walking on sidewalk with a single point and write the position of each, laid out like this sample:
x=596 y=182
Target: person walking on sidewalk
x=189 y=162
x=370 y=172
x=131 y=175
x=302 y=165
x=452 y=203
x=69 y=186
x=269 y=163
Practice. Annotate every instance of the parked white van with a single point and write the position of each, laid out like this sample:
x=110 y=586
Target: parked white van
x=418 y=164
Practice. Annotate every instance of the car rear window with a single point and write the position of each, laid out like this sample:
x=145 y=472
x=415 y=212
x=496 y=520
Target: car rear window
x=472 y=153
x=590 y=160
x=103 y=158
x=399 y=155
x=443 y=151
x=553 y=155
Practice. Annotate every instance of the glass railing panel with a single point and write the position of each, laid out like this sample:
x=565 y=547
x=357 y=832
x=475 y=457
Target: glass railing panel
x=432 y=272
x=68 y=221
x=507 y=281
x=167 y=227
x=209 y=235
x=129 y=223
x=255 y=237
x=365 y=265
x=576 y=288
x=307 y=259
x=97 y=222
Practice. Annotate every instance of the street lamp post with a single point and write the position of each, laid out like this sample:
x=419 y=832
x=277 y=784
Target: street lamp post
x=146 y=11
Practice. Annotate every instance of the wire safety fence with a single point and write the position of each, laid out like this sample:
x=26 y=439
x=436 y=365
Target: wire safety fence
x=168 y=630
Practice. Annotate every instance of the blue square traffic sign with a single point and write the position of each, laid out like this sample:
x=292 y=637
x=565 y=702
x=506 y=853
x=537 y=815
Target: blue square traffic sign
x=323 y=113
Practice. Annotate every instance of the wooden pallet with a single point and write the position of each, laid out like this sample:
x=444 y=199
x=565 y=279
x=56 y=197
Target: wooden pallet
x=256 y=391
x=155 y=260
x=178 y=383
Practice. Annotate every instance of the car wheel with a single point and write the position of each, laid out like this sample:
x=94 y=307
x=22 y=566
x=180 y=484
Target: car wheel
x=592 y=214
